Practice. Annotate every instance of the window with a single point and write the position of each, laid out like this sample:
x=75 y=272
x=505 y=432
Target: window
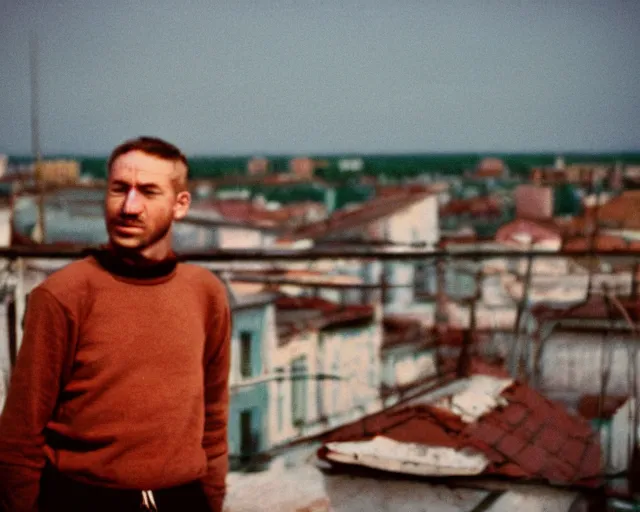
x=299 y=391
x=245 y=354
x=386 y=279
x=249 y=434
x=280 y=398
x=424 y=279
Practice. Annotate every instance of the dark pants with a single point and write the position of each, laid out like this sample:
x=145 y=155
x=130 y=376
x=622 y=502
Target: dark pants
x=60 y=493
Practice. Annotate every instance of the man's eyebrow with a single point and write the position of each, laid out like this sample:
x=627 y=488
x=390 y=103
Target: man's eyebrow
x=120 y=182
x=144 y=186
x=148 y=186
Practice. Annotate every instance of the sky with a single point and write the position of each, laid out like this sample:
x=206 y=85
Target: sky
x=296 y=77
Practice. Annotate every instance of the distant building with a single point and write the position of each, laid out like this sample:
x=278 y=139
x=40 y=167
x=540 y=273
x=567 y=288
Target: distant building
x=253 y=337
x=408 y=354
x=57 y=171
x=491 y=168
x=584 y=174
x=616 y=180
x=621 y=212
x=534 y=202
x=302 y=167
x=4 y=163
x=315 y=336
x=257 y=166
x=350 y=165
x=399 y=218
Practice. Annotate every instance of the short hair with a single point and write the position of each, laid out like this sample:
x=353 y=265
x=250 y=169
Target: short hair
x=153 y=146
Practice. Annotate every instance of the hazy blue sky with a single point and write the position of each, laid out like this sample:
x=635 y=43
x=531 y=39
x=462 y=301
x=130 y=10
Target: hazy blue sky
x=333 y=76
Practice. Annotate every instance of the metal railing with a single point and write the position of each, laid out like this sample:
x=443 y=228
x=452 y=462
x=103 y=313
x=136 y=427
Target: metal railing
x=18 y=259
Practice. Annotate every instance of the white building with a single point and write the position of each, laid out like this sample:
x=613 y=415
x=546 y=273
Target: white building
x=329 y=358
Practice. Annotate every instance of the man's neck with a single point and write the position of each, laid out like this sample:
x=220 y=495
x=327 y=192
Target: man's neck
x=133 y=264
x=139 y=258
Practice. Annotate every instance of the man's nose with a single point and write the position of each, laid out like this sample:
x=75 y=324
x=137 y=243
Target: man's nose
x=132 y=203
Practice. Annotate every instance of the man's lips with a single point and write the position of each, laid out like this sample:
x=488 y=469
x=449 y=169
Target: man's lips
x=128 y=227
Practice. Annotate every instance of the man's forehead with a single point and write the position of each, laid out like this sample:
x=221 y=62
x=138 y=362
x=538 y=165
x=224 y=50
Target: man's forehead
x=138 y=164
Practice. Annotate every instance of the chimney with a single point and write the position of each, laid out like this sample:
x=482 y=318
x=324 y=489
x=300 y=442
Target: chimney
x=533 y=202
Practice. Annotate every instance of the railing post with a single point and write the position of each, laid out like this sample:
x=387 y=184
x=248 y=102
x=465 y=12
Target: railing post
x=20 y=301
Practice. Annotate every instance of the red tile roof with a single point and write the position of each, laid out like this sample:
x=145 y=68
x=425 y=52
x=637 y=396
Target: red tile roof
x=360 y=216
x=540 y=437
x=589 y=406
x=490 y=166
x=622 y=211
x=538 y=230
x=462 y=239
x=312 y=314
x=399 y=330
x=477 y=206
x=530 y=438
x=420 y=423
x=248 y=211
x=595 y=307
x=394 y=190
x=599 y=243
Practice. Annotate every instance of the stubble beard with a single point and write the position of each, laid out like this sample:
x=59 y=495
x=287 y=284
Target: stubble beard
x=137 y=244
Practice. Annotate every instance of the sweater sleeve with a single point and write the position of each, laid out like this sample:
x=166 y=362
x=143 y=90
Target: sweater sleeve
x=31 y=399
x=216 y=373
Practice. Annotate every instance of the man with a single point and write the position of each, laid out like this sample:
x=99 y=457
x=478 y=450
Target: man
x=119 y=396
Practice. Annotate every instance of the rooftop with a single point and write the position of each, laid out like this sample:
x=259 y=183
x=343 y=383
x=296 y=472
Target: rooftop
x=295 y=315
x=485 y=425
x=477 y=206
x=400 y=330
x=362 y=215
x=254 y=212
x=300 y=486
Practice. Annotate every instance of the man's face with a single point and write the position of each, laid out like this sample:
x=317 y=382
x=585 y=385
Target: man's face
x=142 y=202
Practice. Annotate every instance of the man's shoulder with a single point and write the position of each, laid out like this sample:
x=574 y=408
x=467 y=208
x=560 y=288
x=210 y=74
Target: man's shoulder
x=70 y=279
x=204 y=279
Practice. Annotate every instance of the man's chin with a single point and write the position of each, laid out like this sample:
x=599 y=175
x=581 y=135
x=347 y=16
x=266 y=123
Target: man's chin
x=129 y=243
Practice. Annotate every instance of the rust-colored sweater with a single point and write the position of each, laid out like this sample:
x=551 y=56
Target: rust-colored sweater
x=120 y=382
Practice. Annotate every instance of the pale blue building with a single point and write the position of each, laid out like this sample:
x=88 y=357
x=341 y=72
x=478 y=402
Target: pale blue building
x=252 y=335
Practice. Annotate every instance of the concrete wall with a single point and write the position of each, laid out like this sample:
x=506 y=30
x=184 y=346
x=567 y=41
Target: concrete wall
x=619 y=441
x=416 y=224
x=404 y=365
x=354 y=354
x=302 y=345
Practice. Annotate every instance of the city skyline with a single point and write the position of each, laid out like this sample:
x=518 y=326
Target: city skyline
x=239 y=79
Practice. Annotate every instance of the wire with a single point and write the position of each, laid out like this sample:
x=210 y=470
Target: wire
x=280 y=377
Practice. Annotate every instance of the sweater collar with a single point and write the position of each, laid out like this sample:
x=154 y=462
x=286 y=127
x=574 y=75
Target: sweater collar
x=138 y=267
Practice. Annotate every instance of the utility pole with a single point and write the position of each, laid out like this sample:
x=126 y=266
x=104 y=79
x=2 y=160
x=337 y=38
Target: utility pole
x=35 y=134
x=470 y=336
x=441 y=316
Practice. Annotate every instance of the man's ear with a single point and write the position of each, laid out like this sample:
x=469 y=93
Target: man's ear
x=183 y=201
